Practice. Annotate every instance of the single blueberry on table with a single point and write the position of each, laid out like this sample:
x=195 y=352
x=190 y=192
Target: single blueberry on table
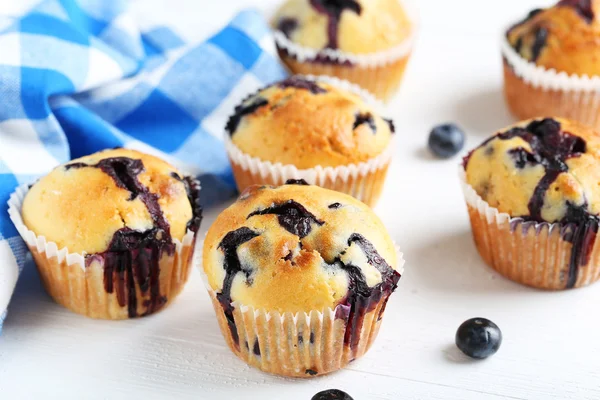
x=478 y=338
x=446 y=140
x=332 y=394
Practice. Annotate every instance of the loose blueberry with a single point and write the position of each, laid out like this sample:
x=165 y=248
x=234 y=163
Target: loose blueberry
x=446 y=140
x=332 y=394
x=478 y=338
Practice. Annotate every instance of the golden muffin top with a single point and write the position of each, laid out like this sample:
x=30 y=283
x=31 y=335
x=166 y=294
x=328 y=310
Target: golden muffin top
x=83 y=204
x=565 y=37
x=352 y=26
x=541 y=170
x=307 y=123
x=298 y=248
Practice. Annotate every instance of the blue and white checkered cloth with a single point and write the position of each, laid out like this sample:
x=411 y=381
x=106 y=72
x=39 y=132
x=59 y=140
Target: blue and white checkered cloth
x=78 y=76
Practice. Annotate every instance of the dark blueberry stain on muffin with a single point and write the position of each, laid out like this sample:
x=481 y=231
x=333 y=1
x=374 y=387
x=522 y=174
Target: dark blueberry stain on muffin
x=301 y=182
x=301 y=83
x=539 y=42
x=361 y=298
x=192 y=189
x=551 y=147
x=76 y=165
x=382 y=309
x=320 y=58
x=334 y=206
x=529 y=16
x=521 y=157
x=292 y=216
x=256 y=348
x=364 y=118
x=232 y=266
x=582 y=7
x=132 y=256
x=333 y=9
x=390 y=124
x=518 y=45
x=312 y=337
x=311 y=372
x=289 y=256
x=246 y=108
x=540 y=37
x=533 y=13
x=287 y=26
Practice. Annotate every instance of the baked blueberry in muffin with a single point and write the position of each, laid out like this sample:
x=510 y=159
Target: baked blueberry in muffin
x=306 y=125
x=542 y=173
x=361 y=41
x=550 y=58
x=130 y=216
x=285 y=249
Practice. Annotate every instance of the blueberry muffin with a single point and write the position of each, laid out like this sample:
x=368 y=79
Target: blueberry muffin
x=533 y=198
x=303 y=251
x=118 y=231
x=365 y=42
x=314 y=130
x=552 y=63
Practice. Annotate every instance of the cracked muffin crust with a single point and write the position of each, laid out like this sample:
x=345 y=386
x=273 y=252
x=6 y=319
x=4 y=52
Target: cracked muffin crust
x=304 y=250
x=353 y=26
x=565 y=37
x=308 y=123
x=289 y=248
x=130 y=216
x=544 y=174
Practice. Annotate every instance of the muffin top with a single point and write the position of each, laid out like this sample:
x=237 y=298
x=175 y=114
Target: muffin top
x=541 y=170
x=565 y=37
x=352 y=26
x=298 y=248
x=307 y=123
x=101 y=201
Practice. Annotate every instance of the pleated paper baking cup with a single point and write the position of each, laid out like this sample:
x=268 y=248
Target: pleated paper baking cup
x=379 y=72
x=364 y=180
x=301 y=345
x=544 y=255
x=533 y=91
x=83 y=285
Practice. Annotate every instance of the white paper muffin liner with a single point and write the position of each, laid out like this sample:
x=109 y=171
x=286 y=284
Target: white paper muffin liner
x=80 y=287
x=531 y=253
x=534 y=91
x=363 y=181
x=303 y=344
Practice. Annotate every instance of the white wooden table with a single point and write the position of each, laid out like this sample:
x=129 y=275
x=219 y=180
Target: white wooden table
x=551 y=348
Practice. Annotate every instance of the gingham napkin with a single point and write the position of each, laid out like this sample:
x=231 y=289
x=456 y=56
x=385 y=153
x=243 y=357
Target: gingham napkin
x=80 y=76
